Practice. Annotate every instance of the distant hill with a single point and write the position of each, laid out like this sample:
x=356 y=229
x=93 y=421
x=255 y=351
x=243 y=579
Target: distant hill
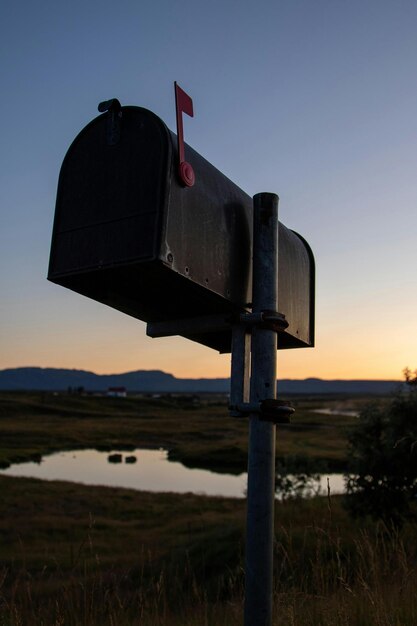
x=54 y=379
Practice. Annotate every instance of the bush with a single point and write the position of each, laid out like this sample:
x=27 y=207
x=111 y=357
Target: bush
x=382 y=479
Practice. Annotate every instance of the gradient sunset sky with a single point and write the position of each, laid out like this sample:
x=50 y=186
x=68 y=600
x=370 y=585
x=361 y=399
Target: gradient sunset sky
x=315 y=100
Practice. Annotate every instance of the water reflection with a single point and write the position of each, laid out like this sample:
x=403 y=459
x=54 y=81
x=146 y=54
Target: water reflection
x=344 y=412
x=150 y=470
x=304 y=485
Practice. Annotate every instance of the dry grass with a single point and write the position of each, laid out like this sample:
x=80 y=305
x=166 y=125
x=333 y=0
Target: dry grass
x=72 y=555
x=79 y=556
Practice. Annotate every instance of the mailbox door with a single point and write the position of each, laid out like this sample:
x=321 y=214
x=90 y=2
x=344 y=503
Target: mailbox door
x=111 y=197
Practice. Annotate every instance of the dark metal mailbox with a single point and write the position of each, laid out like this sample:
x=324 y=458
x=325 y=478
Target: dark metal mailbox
x=128 y=234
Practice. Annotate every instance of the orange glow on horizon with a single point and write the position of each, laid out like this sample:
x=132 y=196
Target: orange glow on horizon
x=110 y=343
x=188 y=360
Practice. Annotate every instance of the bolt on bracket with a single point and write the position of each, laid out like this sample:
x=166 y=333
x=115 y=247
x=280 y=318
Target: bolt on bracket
x=272 y=320
x=269 y=410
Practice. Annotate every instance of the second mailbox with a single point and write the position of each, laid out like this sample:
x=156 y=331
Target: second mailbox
x=128 y=234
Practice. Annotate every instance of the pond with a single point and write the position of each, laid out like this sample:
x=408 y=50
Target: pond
x=148 y=470
x=344 y=412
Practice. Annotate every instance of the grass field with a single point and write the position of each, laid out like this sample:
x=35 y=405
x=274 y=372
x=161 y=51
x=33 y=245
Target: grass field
x=78 y=555
x=75 y=555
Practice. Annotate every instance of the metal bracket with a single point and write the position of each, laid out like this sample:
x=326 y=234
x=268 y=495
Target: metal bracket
x=270 y=410
x=240 y=367
x=215 y=323
x=272 y=320
x=189 y=325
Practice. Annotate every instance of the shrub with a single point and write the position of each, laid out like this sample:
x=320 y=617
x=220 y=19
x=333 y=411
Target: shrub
x=382 y=481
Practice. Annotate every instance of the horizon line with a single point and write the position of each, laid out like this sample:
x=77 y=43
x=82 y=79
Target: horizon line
x=74 y=369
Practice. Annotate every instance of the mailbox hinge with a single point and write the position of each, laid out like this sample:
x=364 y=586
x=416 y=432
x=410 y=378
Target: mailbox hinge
x=114 y=115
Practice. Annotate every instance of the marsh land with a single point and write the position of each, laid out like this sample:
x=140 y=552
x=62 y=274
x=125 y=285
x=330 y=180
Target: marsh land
x=203 y=436
x=73 y=554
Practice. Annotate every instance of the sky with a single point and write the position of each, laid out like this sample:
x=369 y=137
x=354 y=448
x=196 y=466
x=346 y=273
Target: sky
x=315 y=100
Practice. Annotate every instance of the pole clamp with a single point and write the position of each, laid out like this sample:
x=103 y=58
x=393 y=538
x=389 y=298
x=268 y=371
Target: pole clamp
x=268 y=410
x=271 y=320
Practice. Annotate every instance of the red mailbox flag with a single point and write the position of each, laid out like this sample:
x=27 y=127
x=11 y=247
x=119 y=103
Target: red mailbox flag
x=183 y=104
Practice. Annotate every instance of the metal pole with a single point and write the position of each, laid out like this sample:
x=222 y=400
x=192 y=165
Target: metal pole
x=261 y=460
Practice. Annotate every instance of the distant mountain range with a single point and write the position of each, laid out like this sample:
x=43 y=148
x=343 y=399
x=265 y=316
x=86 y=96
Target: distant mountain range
x=155 y=381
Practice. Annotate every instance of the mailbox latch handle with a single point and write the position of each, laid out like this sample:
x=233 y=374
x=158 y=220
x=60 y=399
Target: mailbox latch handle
x=114 y=115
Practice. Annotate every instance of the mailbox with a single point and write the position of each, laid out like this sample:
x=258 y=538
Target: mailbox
x=129 y=234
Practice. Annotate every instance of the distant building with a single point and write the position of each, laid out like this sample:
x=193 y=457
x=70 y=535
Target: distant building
x=116 y=392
